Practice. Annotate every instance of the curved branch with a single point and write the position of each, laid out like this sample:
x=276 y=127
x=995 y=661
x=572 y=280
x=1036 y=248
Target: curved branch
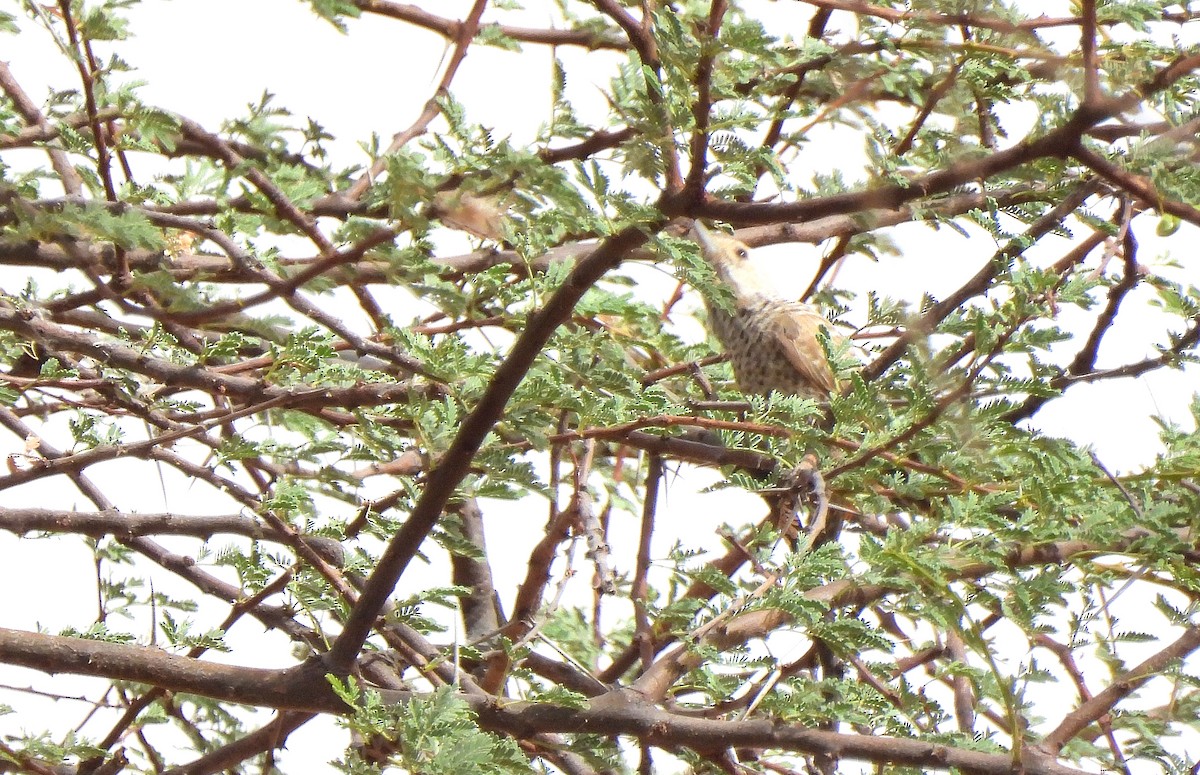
x=1058 y=143
x=464 y=35
x=451 y=28
x=304 y=688
x=1121 y=687
x=454 y=464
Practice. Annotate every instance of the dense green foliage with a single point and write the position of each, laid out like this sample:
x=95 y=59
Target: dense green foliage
x=338 y=361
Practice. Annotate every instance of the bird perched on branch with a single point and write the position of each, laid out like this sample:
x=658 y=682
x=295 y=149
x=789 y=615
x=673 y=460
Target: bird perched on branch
x=772 y=342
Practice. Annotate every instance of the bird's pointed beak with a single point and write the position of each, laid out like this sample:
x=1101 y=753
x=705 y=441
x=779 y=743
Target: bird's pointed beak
x=702 y=236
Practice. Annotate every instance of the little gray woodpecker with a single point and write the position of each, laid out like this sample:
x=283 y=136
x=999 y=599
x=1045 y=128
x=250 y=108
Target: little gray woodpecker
x=772 y=342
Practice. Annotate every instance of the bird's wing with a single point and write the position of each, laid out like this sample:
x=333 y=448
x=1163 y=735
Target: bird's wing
x=797 y=330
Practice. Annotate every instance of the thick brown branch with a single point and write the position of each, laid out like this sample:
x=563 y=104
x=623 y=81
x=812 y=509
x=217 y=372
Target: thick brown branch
x=737 y=630
x=702 y=81
x=454 y=464
x=127 y=525
x=304 y=688
x=176 y=376
x=1091 y=710
x=71 y=182
x=1138 y=186
x=1058 y=143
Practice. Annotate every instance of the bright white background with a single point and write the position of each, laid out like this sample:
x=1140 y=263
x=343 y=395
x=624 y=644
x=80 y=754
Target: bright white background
x=208 y=59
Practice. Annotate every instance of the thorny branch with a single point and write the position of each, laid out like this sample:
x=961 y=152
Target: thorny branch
x=206 y=385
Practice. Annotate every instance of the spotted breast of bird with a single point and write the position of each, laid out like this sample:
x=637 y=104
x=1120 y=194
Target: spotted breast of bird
x=773 y=343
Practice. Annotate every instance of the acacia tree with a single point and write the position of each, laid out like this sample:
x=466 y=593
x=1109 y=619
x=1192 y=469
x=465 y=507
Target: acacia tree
x=229 y=315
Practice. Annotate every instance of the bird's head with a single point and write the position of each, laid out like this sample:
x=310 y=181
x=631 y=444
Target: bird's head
x=730 y=259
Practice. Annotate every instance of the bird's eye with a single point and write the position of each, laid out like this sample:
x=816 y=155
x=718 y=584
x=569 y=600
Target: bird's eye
x=742 y=254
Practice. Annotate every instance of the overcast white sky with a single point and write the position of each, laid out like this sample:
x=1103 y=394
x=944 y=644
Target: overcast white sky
x=209 y=58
